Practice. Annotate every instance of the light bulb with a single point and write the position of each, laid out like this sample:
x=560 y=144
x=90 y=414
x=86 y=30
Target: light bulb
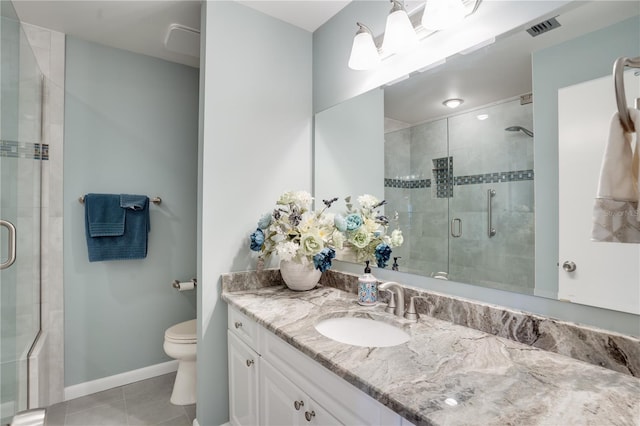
x=442 y=14
x=364 y=53
x=399 y=35
x=453 y=103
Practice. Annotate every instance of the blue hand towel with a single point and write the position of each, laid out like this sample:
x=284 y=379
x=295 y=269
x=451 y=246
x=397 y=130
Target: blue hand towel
x=105 y=217
x=132 y=244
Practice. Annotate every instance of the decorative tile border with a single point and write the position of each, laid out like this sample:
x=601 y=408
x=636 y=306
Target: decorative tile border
x=14 y=149
x=498 y=177
x=407 y=183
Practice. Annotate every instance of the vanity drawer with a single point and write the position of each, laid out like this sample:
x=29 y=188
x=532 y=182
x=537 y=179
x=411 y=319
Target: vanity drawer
x=243 y=327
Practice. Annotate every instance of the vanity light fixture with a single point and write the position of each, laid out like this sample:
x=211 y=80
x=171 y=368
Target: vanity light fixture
x=453 y=103
x=399 y=34
x=364 y=53
x=442 y=14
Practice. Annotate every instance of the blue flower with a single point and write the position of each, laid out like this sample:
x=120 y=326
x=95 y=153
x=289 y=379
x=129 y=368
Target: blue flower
x=264 y=221
x=383 y=254
x=340 y=222
x=322 y=260
x=354 y=221
x=257 y=239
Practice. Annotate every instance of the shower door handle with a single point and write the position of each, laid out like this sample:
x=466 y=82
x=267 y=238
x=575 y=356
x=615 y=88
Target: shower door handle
x=12 y=244
x=491 y=231
x=456 y=227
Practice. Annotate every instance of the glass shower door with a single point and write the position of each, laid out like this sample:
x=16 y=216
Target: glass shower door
x=21 y=153
x=491 y=203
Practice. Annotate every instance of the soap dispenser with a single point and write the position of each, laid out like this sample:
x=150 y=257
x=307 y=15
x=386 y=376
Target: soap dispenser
x=367 y=287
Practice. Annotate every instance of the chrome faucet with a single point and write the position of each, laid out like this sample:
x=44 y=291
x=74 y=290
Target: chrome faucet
x=398 y=291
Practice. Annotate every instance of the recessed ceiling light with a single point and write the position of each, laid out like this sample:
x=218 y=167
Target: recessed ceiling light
x=453 y=103
x=482 y=116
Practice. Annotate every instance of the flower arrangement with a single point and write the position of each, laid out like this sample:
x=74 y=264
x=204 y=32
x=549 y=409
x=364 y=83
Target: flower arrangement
x=365 y=230
x=295 y=233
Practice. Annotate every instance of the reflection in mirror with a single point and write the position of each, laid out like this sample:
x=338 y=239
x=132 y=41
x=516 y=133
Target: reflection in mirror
x=463 y=180
x=446 y=176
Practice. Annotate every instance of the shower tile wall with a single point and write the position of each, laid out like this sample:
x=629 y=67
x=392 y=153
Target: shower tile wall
x=47 y=361
x=483 y=157
x=20 y=149
x=409 y=155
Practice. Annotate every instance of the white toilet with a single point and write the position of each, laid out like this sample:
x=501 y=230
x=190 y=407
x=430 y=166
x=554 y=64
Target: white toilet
x=180 y=344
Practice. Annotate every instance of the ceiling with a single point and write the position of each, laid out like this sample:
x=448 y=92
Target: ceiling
x=141 y=26
x=496 y=72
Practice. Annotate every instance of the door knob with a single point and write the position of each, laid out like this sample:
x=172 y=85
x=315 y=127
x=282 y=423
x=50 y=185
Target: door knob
x=569 y=266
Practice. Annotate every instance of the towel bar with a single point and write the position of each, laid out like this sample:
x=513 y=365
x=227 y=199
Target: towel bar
x=618 y=84
x=154 y=200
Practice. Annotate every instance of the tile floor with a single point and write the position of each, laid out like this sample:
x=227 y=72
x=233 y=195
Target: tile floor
x=141 y=403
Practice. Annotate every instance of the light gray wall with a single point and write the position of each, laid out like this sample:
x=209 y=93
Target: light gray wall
x=349 y=140
x=130 y=127
x=256 y=135
x=582 y=59
x=334 y=83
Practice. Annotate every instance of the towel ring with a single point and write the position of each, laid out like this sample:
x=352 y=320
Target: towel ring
x=154 y=200
x=618 y=84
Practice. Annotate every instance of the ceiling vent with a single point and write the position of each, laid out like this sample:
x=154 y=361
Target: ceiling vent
x=543 y=27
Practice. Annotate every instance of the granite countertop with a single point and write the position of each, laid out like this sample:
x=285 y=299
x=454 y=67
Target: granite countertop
x=495 y=381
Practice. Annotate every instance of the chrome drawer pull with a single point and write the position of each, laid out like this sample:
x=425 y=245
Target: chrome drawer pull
x=237 y=324
x=298 y=404
x=309 y=415
x=250 y=362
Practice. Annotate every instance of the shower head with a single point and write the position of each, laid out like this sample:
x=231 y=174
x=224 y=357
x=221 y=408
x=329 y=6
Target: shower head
x=519 y=129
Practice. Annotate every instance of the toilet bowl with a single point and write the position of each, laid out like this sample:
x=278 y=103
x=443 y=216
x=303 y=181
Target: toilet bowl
x=180 y=344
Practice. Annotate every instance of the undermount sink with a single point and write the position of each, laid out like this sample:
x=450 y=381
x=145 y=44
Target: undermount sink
x=362 y=332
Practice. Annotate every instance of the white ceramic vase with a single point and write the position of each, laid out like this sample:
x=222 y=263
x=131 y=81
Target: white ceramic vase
x=299 y=277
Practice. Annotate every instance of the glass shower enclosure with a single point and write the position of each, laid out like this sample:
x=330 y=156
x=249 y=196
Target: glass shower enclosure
x=21 y=155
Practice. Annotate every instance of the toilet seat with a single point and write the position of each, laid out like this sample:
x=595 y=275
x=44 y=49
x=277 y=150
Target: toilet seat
x=184 y=333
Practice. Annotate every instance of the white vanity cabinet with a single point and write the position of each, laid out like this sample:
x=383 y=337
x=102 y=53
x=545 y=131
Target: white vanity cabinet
x=271 y=383
x=283 y=403
x=244 y=367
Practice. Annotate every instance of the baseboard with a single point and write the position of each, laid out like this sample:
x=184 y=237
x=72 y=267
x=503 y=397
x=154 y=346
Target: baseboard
x=99 y=385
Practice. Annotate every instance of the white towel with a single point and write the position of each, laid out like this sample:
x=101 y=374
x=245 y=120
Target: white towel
x=615 y=213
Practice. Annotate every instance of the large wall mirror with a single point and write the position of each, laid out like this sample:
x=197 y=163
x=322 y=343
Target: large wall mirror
x=478 y=189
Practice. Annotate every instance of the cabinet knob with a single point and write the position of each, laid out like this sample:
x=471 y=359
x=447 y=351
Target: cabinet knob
x=238 y=324
x=569 y=266
x=298 y=404
x=249 y=362
x=309 y=415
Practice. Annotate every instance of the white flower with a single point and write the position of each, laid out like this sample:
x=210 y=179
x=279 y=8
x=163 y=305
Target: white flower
x=303 y=199
x=311 y=243
x=396 y=238
x=368 y=201
x=371 y=225
x=307 y=222
x=287 y=250
x=338 y=239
